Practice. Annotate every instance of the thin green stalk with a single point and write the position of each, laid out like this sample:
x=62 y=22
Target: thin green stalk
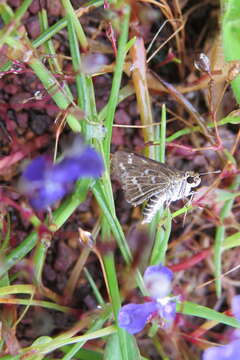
x=159 y=233
x=57 y=93
x=189 y=308
x=76 y=23
x=60 y=216
x=39 y=303
x=232 y=241
x=117 y=231
x=163 y=134
x=18 y=253
x=161 y=239
x=48 y=45
x=124 y=93
x=50 y=50
x=83 y=100
x=230 y=36
x=39 y=257
x=113 y=99
x=58 y=342
x=6 y=13
x=56 y=28
x=224 y=121
x=94 y=287
x=6 y=239
x=66 y=209
x=15 y=21
x=112 y=283
x=86 y=97
x=98 y=324
x=219 y=238
x=114 y=224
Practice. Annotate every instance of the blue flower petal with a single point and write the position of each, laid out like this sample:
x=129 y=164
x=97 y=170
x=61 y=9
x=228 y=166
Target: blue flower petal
x=47 y=195
x=91 y=164
x=36 y=169
x=235 y=304
x=44 y=183
x=167 y=312
x=158 y=281
x=225 y=352
x=71 y=168
x=133 y=317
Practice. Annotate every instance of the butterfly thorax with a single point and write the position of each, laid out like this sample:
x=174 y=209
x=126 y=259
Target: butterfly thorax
x=180 y=188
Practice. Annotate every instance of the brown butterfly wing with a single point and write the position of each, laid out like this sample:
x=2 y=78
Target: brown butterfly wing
x=141 y=178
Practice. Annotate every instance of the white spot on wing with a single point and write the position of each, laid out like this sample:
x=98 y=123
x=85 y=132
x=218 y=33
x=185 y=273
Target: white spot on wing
x=130 y=160
x=134 y=181
x=153 y=179
x=122 y=167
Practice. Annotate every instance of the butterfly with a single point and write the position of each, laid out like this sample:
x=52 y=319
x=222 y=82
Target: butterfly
x=145 y=179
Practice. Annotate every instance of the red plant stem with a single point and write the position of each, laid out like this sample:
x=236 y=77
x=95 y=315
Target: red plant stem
x=195 y=336
x=112 y=38
x=27 y=148
x=188 y=263
x=190 y=149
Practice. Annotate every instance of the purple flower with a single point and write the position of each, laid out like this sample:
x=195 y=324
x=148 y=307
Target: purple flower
x=87 y=163
x=133 y=317
x=231 y=350
x=167 y=311
x=235 y=304
x=36 y=169
x=157 y=279
x=225 y=352
x=36 y=183
x=44 y=183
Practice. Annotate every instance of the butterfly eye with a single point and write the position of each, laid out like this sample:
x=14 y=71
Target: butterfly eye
x=190 y=179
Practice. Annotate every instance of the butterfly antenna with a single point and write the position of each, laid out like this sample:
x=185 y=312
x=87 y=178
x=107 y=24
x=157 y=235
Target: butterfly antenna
x=210 y=172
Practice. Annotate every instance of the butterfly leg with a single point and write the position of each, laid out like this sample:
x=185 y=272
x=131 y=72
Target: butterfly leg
x=188 y=203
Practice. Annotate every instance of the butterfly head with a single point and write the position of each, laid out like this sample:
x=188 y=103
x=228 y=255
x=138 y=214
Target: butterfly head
x=192 y=178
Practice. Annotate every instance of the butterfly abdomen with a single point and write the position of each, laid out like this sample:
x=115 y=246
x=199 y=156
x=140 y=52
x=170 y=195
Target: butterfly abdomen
x=155 y=203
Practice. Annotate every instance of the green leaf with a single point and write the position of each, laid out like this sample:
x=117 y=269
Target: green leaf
x=42 y=340
x=220 y=236
x=85 y=354
x=231 y=30
x=112 y=350
x=231 y=36
x=189 y=308
x=224 y=195
x=232 y=119
x=231 y=241
x=230 y=157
